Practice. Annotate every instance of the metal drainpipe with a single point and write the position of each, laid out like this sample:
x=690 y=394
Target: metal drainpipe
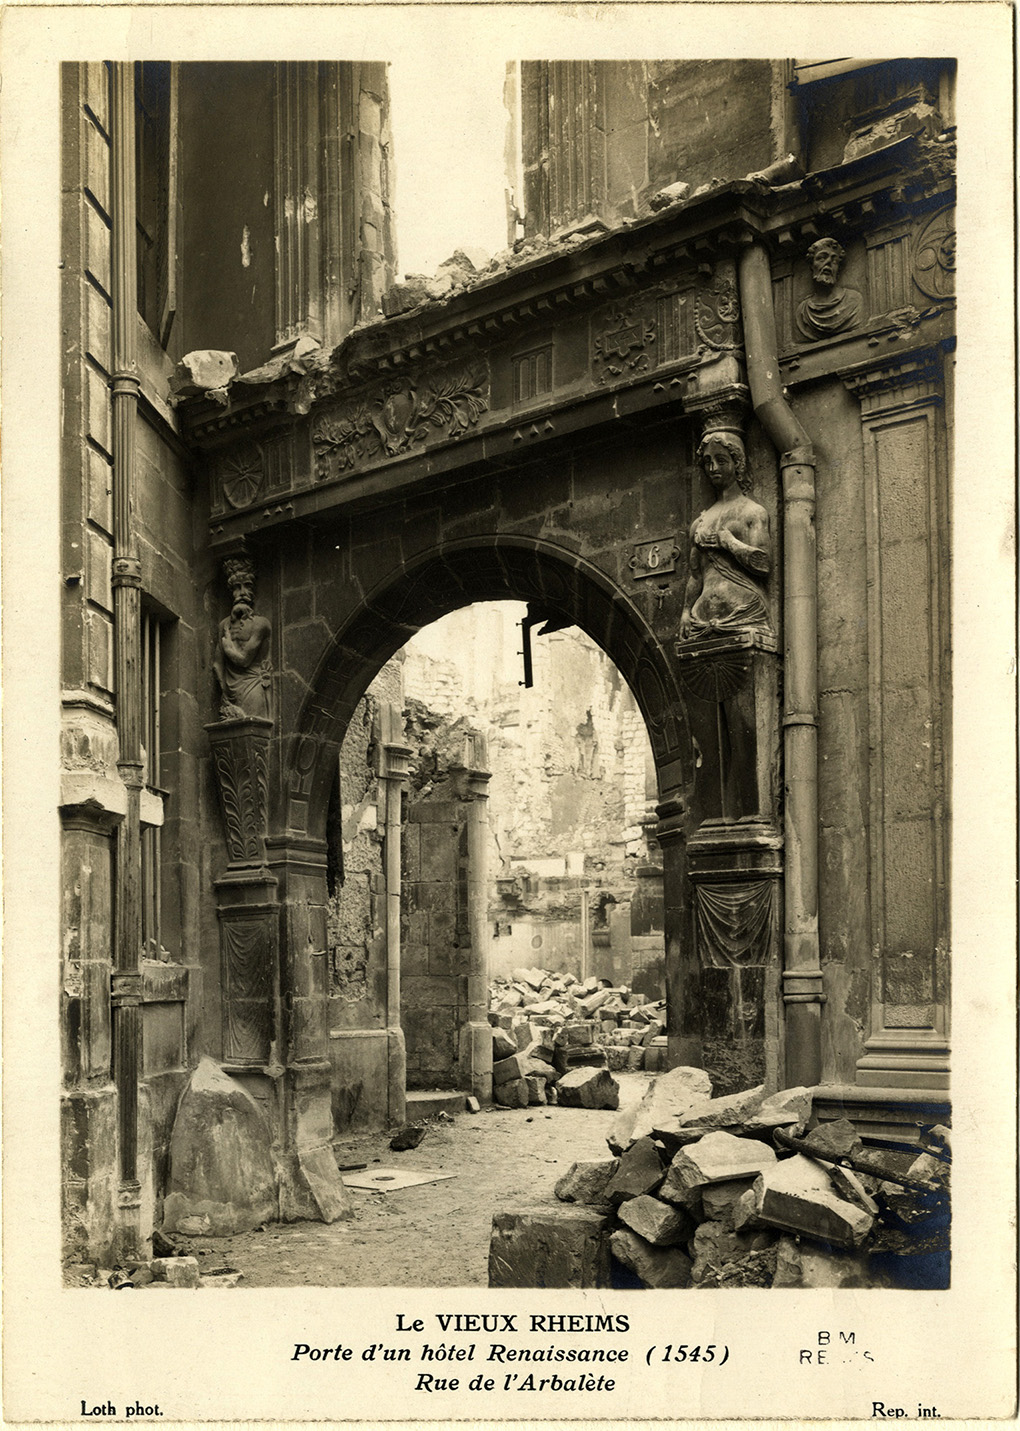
x=802 y=976
x=125 y=993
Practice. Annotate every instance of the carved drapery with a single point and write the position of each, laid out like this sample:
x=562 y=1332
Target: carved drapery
x=734 y=923
x=248 y=952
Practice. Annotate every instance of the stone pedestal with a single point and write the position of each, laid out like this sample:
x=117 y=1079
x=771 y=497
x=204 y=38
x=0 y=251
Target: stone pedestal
x=734 y=858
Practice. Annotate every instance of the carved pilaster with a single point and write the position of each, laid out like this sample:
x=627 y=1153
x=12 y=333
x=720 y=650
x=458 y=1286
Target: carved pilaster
x=249 y=956
x=240 y=750
x=907 y=513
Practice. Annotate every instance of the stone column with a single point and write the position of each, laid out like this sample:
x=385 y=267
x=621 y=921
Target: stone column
x=393 y=770
x=907 y=508
x=476 y=1035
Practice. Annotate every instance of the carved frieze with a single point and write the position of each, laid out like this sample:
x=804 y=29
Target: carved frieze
x=734 y=921
x=404 y=413
x=624 y=344
x=240 y=750
x=934 y=266
x=717 y=310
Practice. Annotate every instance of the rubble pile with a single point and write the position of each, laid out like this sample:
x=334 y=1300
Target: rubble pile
x=739 y=1191
x=546 y=1028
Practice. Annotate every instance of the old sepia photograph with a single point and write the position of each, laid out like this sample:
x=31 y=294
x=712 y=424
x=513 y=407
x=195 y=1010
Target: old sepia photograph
x=506 y=663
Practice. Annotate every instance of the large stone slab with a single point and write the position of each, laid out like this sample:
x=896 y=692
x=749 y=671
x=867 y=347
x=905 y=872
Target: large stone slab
x=714 y=1158
x=512 y=1094
x=222 y=1179
x=586 y=1182
x=719 y=1199
x=549 y=1246
x=588 y=1088
x=638 y=1170
x=784 y=1109
x=735 y=1110
x=659 y=1223
x=655 y=1266
x=797 y=1196
x=667 y=1097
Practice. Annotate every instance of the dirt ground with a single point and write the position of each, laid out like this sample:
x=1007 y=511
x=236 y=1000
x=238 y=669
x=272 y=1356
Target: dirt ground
x=435 y=1234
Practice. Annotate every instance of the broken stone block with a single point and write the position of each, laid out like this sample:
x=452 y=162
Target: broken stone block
x=802 y=1264
x=635 y=1059
x=657 y=1222
x=176 y=1271
x=549 y=1246
x=715 y=1245
x=588 y=1088
x=655 y=1266
x=401 y=297
x=848 y=1185
x=222 y=1179
x=730 y=1112
x=938 y=1138
x=638 y=1170
x=714 y=1158
x=616 y=1058
x=743 y=1215
x=536 y=1090
x=472 y=1104
x=576 y=1034
x=586 y=1182
x=666 y=1096
x=519 y=1065
x=719 y=1199
x=513 y=1094
x=203 y=371
x=541 y=1047
x=535 y=977
x=671 y=194
x=222 y=1277
x=838 y=1139
x=783 y=1109
x=408 y=1137
x=503 y=1046
x=595 y=1001
x=797 y=1196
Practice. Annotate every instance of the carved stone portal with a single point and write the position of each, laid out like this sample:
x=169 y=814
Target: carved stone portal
x=830 y=309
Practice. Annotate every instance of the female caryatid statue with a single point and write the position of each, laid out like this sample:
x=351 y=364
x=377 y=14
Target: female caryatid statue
x=731 y=549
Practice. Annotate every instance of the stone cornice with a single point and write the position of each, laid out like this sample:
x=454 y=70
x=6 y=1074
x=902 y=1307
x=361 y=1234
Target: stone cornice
x=907 y=176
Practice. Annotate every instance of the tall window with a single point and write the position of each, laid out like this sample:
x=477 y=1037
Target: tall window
x=157 y=194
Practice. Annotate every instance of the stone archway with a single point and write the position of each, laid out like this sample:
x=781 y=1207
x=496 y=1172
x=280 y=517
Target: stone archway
x=553 y=580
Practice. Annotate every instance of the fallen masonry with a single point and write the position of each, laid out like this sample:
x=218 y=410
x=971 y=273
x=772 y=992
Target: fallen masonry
x=546 y=1027
x=728 y=1194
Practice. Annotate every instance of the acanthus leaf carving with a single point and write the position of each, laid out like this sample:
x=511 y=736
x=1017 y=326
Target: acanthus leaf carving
x=404 y=413
x=240 y=750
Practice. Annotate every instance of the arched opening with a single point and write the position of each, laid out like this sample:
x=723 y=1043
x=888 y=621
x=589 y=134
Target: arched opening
x=527 y=824
x=373 y=1052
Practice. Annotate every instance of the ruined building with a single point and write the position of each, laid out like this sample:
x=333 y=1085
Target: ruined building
x=700 y=408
